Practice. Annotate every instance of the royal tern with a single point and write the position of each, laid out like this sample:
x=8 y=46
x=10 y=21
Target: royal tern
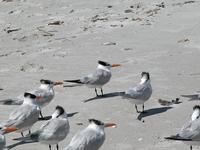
x=91 y=138
x=97 y=79
x=141 y=93
x=52 y=132
x=190 y=132
x=44 y=94
x=23 y=117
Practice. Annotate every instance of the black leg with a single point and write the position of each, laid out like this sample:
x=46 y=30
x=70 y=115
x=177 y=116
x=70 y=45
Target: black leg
x=57 y=147
x=136 y=109
x=41 y=114
x=96 y=92
x=49 y=147
x=190 y=147
x=29 y=131
x=143 y=108
x=101 y=92
x=22 y=134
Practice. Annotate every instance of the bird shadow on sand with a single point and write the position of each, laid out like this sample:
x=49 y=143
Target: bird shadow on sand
x=49 y=117
x=108 y=95
x=153 y=111
x=17 y=144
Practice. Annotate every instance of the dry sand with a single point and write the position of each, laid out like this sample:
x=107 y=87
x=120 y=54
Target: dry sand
x=162 y=38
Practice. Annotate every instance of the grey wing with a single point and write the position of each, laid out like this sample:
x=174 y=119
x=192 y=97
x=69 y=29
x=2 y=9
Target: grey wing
x=191 y=130
x=89 y=79
x=99 y=77
x=25 y=115
x=134 y=92
x=86 y=140
x=54 y=129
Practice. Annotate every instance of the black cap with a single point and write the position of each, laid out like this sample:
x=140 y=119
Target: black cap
x=60 y=109
x=26 y=94
x=43 y=81
x=145 y=73
x=196 y=107
x=97 y=122
x=103 y=63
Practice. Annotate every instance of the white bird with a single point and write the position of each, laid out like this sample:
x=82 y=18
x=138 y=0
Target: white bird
x=52 y=132
x=91 y=138
x=23 y=117
x=2 y=141
x=190 y=132
x=141 y=93
x=44 y=95
x=100 y=77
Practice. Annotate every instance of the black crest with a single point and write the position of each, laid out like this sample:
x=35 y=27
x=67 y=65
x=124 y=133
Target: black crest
x=103 y=63
x=196 y=107
x=145 y=73
x=60 y=109
x=43 y=81
x=97 y=122
x=26 y=94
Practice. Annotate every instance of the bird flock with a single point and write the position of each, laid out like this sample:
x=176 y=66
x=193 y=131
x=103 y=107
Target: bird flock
x=56 y=127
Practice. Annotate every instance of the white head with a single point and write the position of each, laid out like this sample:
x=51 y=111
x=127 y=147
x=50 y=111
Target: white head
x=59 y=112
x=144 y=77
x=46 y=84
x=106 y=66
x=29 y=98
x=196 y=112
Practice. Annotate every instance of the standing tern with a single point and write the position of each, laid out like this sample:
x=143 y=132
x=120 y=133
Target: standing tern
x=22 y=118
x=190 y=132
x=52 y=132
x=44 y=94
x=141 y=93
x=97 y=79
x=91 y=138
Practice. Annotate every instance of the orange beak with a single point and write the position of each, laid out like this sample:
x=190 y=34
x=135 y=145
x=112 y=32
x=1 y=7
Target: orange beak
x=115 y=65
x=10 y=129
x=58 y=83
x=110 y=125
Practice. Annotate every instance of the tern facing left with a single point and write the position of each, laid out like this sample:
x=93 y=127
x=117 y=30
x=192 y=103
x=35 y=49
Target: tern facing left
x=98 y=79
x=141 y=93
x=190 y=132
x=52 y=132
x=91 y=138
x=23 y=117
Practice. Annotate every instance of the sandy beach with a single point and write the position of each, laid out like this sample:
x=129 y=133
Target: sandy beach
x=64 y=39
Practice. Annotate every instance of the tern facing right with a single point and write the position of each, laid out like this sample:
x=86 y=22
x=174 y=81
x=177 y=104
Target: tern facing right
x=100 y=77
x=141 y=93
x=91 y=138
x=44 y=95
x=190 y=132
x=52 y=132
